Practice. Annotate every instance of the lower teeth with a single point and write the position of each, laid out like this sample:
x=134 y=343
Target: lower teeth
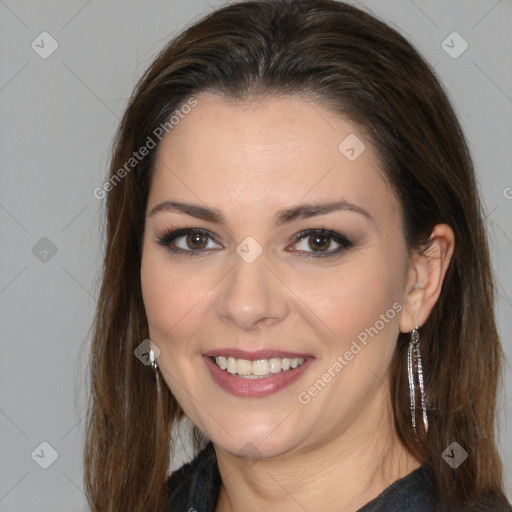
x=250 y=376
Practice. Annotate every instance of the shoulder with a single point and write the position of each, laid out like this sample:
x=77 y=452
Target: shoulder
x=415 y=493
x=195 y=485
x=491 y=503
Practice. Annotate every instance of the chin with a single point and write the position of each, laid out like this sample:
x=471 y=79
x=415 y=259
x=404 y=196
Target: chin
x=255 y=446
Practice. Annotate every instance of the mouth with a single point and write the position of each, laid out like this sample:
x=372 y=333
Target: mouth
x=259 y=368
x=255 y=374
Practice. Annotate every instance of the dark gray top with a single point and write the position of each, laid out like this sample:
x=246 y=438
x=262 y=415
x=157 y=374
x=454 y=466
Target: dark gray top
x=195 y=488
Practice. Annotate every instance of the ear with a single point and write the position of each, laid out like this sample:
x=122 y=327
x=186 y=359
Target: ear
x=427 y=269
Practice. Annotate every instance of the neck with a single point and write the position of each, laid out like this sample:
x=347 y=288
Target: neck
x=341 y=475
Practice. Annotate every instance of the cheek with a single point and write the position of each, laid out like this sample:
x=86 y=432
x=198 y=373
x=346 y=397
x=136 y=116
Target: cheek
x=358 y=302
x=353 y=297
x=172 y=297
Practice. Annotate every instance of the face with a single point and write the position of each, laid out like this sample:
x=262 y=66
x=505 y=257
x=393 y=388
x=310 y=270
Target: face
x=269 y=245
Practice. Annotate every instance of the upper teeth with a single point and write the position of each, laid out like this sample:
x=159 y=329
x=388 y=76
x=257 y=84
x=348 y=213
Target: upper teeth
x=259 y=367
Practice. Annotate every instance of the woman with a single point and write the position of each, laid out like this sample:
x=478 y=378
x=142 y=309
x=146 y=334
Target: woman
x=296 y=256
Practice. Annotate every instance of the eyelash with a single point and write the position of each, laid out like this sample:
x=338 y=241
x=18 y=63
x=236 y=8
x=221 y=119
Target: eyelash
x=170 y=236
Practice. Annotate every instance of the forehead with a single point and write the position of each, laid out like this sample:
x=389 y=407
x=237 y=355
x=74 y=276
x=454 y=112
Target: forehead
x=272 y=152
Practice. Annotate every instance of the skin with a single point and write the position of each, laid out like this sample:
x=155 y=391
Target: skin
x=250 y=161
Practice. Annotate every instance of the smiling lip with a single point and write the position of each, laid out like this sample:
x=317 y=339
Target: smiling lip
x=255 y=388
x=255 y=355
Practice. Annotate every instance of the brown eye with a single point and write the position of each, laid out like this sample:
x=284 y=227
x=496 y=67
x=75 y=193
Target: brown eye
x=197 y=241
x=319 y=243
x=188 y=240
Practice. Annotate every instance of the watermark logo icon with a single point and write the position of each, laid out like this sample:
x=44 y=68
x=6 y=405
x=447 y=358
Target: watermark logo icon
x=44 y=250
x=454 y=45
x=249 y=249
x=142 y=352
x=44 y=455
x=454 y=455
x=351 y=147
x=44 y=45
x=249 y=460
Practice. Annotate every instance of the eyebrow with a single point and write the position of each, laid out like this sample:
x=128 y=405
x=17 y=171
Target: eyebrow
x=282 y=217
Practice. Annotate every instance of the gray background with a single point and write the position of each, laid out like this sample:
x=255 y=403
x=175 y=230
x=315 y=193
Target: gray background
x=57 y=120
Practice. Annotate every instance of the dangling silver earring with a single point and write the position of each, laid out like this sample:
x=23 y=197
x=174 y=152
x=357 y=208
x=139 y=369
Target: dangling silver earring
x=154 y=364
x=414 y=367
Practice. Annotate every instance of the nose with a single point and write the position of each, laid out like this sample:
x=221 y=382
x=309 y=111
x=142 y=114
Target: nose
x=251 y=297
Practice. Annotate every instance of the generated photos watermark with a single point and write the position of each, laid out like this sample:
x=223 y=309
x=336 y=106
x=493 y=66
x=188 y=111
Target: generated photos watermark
x=139 y=155
x=304 y=397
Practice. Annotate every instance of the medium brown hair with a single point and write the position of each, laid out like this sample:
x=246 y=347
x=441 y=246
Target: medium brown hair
x=364 y=70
